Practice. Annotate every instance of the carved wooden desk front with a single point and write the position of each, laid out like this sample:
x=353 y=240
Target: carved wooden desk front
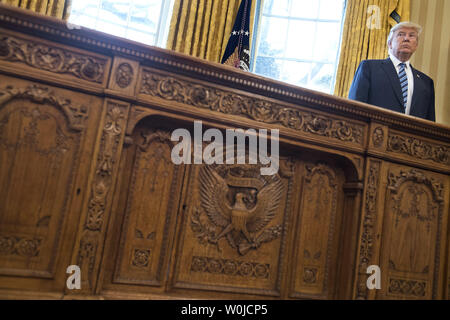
x=86 y=179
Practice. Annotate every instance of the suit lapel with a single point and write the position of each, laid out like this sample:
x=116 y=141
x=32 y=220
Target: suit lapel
x=389 y=68
x=417 y=88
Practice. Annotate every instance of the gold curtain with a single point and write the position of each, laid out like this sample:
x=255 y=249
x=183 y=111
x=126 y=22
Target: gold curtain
x=366 y=28
x=55 y=8
x=201 y=28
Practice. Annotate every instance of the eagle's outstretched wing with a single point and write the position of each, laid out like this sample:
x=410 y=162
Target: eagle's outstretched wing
x=267 y=203
x=213 y=193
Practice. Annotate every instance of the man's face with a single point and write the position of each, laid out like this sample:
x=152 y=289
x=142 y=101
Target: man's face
x=404 y=43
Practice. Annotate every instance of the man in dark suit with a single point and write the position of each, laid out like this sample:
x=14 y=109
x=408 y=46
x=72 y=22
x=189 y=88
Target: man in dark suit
x=393 y=83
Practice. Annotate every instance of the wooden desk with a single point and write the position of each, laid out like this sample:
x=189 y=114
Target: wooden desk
x=86 y=179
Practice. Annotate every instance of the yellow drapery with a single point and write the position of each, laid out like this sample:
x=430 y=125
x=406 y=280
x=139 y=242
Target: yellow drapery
x=201 y=28
x=363 y=37
x=55 y=8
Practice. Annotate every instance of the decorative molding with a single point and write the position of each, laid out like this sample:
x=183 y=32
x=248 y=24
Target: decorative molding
x=53 y=59
x=413 y=288
x=14 y=19
x=146 y=150
x=419 y=149
x=21 y=246
x=433 y=212
x=204 y=97
x=76 y=115
x=230 y=267
x=107 y=159
x=31 y=137
x=396 y=180
x=310 y=273
x=115 y=123
x=368 y=226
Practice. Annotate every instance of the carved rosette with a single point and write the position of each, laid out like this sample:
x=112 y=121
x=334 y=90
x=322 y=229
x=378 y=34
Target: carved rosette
x=367 y=235
x=141 y=258
x=170 y=88
x=77 y=115
x=310 y=275
x=52 y=59
x=419 y=149
x=102 y=182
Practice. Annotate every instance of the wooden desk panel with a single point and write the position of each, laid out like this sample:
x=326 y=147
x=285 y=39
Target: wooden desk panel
x=86 y=179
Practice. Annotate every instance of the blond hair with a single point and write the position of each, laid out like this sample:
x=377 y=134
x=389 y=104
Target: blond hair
x=405 y=24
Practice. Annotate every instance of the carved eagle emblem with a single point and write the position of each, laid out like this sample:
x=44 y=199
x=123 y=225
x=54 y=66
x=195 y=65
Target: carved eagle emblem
x=240 y=224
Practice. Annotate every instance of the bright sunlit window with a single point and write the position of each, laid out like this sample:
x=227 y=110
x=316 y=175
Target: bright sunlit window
x=297 y=41
x=145 y=21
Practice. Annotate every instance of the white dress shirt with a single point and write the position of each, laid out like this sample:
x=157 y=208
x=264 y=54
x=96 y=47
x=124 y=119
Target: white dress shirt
x=410 y=76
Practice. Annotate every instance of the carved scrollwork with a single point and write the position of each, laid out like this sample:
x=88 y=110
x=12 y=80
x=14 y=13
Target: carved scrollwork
x=109 y=143
x=52 y=59
x=77 y=115
x=101 y=185
x=396 y=180
x=419 y=149
x=415 y=200
x=173 y=89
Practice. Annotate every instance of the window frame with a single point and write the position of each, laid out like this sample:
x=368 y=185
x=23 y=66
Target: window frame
x=257 y=26
x=162 y=28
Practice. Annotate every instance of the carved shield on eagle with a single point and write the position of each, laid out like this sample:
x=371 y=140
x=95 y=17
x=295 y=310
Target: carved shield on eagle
x=239 y=204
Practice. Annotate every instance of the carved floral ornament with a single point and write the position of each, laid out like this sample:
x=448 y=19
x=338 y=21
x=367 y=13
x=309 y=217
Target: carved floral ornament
x=419 y=149
x=52 y=59
x=76 y=115
x=396 y=180
x=407 y=287
x=17 y=245
x=368 y=233
x=101 y=185
x=420 y=204
x=230 y=267
x=199 y=96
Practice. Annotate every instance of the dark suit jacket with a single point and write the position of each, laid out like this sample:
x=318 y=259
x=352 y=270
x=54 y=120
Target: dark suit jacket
x=376 y=82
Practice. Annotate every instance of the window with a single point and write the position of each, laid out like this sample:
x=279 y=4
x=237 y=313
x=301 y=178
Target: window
x=145 y=21
x=297 y=41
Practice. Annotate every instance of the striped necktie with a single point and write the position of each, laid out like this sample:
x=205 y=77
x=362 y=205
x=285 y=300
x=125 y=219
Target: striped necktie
x=403 y=83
